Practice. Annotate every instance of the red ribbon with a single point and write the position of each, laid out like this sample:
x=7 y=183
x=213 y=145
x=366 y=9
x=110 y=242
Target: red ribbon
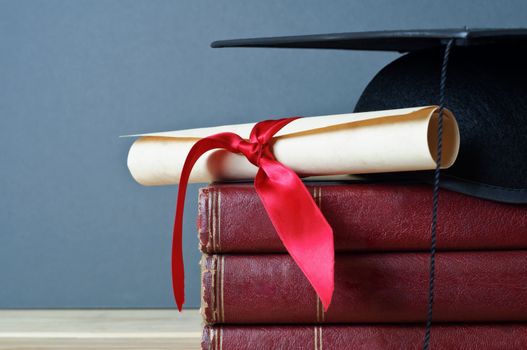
x=298 y=221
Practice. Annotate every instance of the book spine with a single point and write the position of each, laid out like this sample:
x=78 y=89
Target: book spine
x=364 y=217
x=364 y=337
x=369 y=288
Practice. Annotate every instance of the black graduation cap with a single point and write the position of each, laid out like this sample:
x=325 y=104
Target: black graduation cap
x=486 y=89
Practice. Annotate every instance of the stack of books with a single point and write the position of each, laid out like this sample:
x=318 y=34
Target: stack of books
x=255 y=297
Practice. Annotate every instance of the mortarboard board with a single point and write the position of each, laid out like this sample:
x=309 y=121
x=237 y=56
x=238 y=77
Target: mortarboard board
x=391 y=40
x=486 y=90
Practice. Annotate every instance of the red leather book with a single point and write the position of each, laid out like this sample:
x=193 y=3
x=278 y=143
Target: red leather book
x=369 y=288
x=364 y=217
x=364 y=337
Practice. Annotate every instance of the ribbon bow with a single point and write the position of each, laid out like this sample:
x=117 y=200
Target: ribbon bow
x=298 y=221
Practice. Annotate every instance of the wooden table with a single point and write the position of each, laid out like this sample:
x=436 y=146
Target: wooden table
x=99 y=329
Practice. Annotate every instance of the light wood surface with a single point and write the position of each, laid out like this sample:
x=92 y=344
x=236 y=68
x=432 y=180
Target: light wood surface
x=99 y=329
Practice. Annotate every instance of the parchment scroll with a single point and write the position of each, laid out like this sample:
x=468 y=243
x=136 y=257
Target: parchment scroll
x=356 y=143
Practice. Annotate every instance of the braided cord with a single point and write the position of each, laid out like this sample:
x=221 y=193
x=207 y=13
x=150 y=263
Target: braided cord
x=435 y=198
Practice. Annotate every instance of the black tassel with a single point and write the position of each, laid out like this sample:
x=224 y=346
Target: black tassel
x=435 y=196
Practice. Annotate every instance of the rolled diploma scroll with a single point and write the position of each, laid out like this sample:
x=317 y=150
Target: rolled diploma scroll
x=356 y=143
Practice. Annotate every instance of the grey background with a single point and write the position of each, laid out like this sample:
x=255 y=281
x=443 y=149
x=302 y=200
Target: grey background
x=75 y=229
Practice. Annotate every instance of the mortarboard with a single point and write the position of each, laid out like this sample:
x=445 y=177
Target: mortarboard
x=486 y=89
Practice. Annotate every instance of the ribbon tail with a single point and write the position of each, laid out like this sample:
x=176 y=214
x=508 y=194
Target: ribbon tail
x=222 y=140
x=299 y=223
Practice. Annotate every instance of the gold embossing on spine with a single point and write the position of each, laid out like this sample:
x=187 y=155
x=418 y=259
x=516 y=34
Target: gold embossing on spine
x=218 y=221
x=317 y=340
x=222 y=285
